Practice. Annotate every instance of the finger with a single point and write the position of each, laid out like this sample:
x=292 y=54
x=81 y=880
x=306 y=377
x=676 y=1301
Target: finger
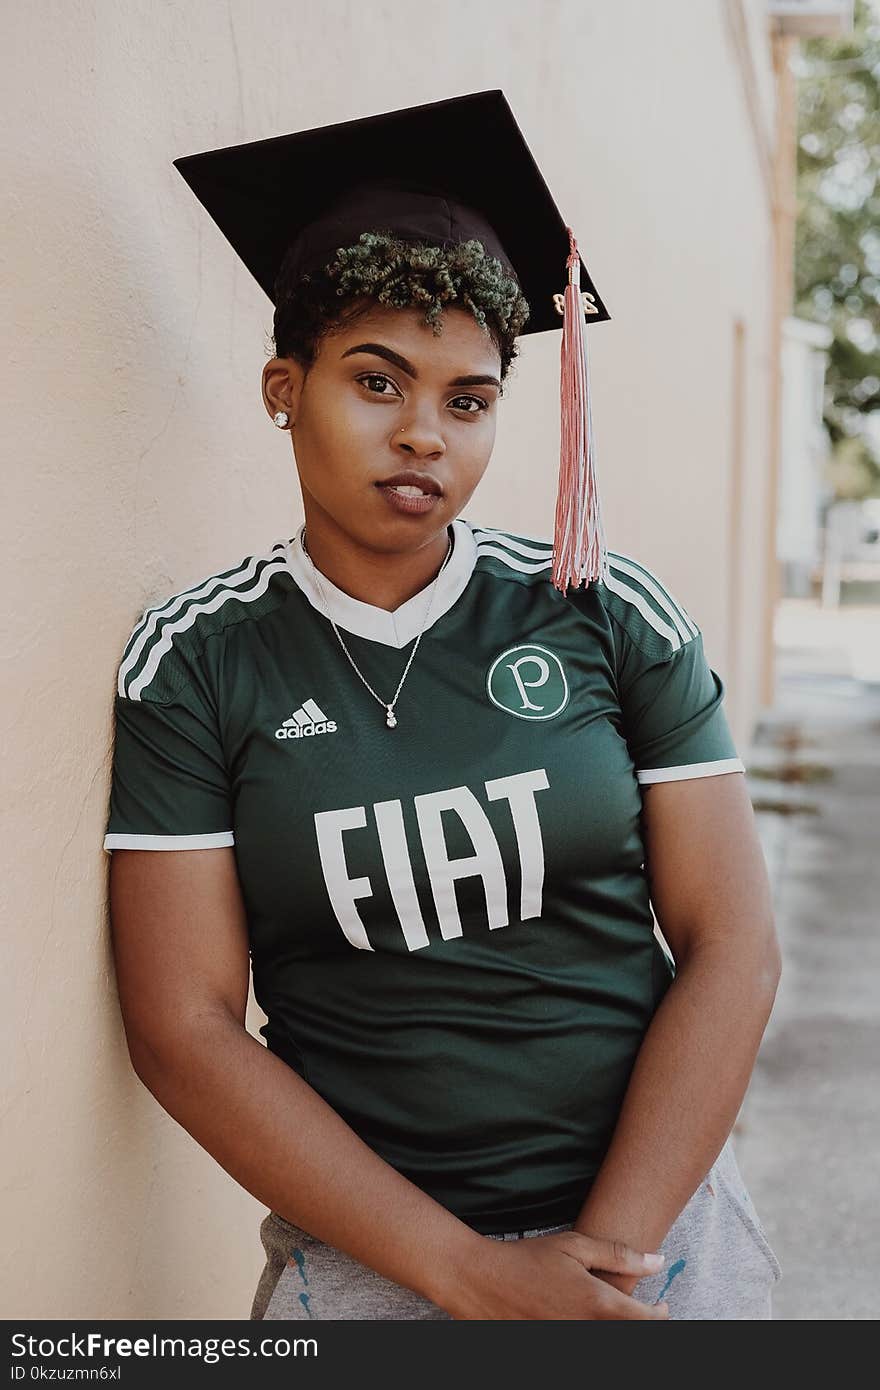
x=619 y=1258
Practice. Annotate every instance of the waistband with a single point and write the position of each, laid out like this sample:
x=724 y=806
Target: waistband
x=533 y=1231
x=280 y=1221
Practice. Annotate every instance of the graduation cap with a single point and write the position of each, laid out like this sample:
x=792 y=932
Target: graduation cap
x=466 y=173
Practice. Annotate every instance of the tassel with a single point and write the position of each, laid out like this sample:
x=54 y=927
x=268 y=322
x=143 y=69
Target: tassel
x=579 y=539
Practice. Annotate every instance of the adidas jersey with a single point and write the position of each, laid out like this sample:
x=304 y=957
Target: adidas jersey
x=450 y=927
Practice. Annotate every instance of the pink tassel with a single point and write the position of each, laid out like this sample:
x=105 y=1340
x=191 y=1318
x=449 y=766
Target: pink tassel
x=579 y=539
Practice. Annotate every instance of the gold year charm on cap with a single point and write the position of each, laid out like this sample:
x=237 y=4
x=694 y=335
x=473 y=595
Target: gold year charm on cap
x=587 y=300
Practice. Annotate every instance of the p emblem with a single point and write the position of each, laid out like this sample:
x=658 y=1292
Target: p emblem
x=528 y=681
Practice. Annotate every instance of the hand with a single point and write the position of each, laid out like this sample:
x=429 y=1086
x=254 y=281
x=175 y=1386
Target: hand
x=625 y=1282
x=548 y=1278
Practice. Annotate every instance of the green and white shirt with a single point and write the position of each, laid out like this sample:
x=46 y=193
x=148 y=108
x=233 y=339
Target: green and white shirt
x=450 y=927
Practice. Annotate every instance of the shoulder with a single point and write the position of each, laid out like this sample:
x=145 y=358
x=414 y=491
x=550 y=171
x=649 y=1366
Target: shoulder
x=643 y=606
x=170 y=634
x=511 y=555
x=636 y=600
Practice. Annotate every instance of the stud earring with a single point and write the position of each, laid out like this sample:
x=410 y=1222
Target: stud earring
x=282 y=419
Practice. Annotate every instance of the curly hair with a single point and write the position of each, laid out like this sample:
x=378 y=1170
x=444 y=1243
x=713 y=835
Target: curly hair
x=403 y=274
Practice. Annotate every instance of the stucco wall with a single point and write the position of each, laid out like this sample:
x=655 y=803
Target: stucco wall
x=139 y=458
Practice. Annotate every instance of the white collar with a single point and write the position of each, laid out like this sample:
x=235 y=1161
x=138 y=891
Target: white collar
x=392 y=629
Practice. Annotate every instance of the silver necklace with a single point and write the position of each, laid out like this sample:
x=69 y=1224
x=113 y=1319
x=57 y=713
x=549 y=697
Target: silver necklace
x=390 y=716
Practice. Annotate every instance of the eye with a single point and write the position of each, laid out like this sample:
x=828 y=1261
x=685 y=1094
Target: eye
x=376 y=376
x=475 y=400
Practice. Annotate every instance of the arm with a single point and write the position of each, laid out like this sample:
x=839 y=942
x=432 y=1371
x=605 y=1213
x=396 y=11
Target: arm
x=181 y=950
x=713 y=903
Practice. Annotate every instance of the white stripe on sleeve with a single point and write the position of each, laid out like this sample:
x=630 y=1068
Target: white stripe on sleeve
x=219 y=840
x=680 y=774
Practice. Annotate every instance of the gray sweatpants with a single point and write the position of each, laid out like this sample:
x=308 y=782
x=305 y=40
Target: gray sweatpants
x=719 y=1265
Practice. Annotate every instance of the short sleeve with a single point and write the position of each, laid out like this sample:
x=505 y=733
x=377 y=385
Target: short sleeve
x=670 y=697
x=674 y=717
x=170 y=785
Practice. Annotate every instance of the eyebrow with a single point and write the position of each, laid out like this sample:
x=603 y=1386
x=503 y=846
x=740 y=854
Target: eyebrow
x=379 y=350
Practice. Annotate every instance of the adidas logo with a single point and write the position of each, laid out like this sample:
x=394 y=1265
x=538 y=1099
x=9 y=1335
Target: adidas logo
x=305 y=722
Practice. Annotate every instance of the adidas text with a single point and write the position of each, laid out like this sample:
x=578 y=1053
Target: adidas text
x=328 y=726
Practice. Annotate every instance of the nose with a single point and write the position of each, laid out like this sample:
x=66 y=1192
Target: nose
x=419 y=439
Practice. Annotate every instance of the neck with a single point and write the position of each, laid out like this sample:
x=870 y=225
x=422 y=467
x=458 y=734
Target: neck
x=384 y=579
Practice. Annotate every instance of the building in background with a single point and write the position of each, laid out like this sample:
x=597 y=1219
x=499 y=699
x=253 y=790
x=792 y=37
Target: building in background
x=804 y=450
x=789 y=21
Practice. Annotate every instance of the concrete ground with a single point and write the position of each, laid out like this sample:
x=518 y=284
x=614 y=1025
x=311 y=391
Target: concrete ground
x=808 y=1135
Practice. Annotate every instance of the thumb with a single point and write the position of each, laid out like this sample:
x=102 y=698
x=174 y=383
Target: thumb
x=619 y=1258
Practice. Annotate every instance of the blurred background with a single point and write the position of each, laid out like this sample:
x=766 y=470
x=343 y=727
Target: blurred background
x=808 y=1134
x=718 y=162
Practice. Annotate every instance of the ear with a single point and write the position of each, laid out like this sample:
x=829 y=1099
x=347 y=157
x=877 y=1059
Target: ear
x=282 y=385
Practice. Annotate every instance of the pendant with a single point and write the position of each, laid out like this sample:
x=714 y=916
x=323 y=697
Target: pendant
x=390 y=718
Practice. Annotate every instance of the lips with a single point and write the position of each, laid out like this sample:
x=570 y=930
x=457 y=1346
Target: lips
x=425 y=482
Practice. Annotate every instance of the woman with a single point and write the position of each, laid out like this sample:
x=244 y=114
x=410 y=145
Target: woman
x=486 y=1092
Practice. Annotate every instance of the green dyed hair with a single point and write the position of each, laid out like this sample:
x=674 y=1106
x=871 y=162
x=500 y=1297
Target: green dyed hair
x=402 y=274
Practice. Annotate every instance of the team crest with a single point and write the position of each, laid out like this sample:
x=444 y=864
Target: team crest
x=528 y=681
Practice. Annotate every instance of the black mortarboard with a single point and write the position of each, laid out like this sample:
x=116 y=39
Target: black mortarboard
x=443 y=173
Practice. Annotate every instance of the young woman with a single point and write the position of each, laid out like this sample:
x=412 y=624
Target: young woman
x=433 y=799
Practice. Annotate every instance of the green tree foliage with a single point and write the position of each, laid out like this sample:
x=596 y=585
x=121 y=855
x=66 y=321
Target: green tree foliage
x=837 y=239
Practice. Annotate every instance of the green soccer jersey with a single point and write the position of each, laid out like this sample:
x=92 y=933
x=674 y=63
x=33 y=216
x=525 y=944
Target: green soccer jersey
x=450 y=927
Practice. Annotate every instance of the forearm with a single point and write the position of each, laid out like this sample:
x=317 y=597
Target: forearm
x=282 y=1142
x=684 y=1093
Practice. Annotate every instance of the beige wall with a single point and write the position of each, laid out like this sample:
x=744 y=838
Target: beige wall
x=139 y=458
